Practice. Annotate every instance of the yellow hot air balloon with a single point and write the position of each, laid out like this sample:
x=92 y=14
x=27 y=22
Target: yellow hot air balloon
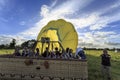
x=56 y=32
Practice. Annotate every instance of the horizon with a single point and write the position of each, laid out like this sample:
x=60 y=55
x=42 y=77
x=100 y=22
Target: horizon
x=96 y=22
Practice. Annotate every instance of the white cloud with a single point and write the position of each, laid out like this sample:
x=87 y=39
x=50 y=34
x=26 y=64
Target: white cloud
x=6 y=39
x=54 y=3
x=44 y=11
x=93 y=21
x=104 y=21
x=97 y=26
x=116 y=5
x=85 y=21
x=99 y=39
x=47 y=14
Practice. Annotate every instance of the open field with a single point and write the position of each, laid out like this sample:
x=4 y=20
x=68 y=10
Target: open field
x=6 y=51
x=94 y=67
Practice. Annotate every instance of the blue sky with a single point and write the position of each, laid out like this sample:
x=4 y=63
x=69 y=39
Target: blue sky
x=96 y=21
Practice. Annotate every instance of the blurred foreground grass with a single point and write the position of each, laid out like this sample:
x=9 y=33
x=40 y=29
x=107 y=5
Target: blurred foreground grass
x=94 y=61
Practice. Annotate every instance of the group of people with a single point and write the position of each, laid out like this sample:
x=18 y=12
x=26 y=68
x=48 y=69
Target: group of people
x=68 y=54
x=26 y=52
x=56 y=54
x=80 y=54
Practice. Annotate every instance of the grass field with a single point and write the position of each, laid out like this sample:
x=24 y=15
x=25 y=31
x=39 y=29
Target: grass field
x=94 y=67
x=6 y=51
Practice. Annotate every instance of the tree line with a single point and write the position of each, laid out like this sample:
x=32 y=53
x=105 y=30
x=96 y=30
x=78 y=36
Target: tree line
x=12 y=44
x=31 y=43
x=9 y=46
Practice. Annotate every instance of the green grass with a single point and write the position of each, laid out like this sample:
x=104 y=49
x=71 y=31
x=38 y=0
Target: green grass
x=94 y=66
x=6 y=51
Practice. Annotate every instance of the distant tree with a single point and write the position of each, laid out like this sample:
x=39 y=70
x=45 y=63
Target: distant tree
x=29 y=43
x=84 y=48
x=114 y=49
x=7 y=46
x=12 y=44
x=2 y=46
x=24 y=44
x=107 y=48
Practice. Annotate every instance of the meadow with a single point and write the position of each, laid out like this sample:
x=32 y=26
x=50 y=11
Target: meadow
x=94 y=63
x=6 y=51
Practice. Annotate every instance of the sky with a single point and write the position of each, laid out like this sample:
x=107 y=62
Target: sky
x=97 y=22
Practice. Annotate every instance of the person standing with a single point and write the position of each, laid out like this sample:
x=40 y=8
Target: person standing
x=46 y=53
x=105 y=63
x=37 y=52
x=80 y=54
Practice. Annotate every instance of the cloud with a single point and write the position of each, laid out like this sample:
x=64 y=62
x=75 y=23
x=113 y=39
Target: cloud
x=48 y=13
x=94 y=21
x=6 y=39
x=54 y=3
x=103 y=21
x=85 y=21
x=99 y=39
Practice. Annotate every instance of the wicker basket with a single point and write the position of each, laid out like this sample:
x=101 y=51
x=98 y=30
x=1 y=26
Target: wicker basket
x=33 y=69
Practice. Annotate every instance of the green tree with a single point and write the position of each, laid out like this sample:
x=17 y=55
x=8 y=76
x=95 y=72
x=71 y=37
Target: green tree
x=12 y=44
x=2 y=46
x=29 y=43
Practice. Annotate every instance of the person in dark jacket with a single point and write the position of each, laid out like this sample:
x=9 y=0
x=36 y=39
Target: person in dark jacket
x=80 y=54
x=105 y=62
x=46 y=53
x=57 y=52
x=37 y=52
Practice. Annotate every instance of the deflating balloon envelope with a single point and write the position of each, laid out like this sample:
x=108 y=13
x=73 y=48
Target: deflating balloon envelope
x=55 y=31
